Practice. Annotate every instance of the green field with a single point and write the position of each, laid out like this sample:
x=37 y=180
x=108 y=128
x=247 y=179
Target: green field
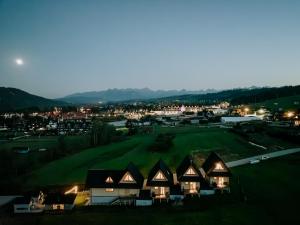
x=272 y=198
x=198 y=141
x=48 y=142
x=286 y=103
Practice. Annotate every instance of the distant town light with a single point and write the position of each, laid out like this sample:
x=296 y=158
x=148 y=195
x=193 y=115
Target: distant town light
x=261 y=111
x=290 y=114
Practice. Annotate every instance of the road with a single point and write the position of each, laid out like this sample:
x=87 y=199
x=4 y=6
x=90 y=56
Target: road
x=270 y=155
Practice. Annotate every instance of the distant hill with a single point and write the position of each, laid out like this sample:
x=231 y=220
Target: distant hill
x=117 y=95
x=285 y=103
x=236 y=96
x=12 y=99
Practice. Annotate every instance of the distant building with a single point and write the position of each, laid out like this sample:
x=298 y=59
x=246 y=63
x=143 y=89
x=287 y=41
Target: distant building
x=238 y=119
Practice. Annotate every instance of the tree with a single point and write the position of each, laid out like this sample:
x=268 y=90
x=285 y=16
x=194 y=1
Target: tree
x=101 y=133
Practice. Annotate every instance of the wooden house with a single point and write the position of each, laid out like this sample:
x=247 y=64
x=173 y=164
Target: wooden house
x=189 y=176
x=59 y=202
x=114 y=186
x=217 y=173
x=160 y=179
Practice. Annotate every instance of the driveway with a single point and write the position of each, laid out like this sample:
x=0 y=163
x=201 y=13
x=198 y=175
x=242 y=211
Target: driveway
x=270 y=155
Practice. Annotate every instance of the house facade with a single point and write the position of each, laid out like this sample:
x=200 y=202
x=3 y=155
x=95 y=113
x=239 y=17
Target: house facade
x=189 y=176
x=128 y=186
x=107 y=186
x=59 y=202
x=160 y=180
x=217 y=173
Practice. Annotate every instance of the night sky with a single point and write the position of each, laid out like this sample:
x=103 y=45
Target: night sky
x=69 y=46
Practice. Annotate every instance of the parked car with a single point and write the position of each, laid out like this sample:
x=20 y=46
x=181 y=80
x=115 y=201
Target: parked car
x=264 y=157
x=254 y=161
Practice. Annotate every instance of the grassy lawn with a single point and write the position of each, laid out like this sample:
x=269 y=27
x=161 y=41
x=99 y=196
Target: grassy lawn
x=48 y=142
x=271 y=187
x=199 y=141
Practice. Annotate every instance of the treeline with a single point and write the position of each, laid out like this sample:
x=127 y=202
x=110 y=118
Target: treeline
x=163 y=142
x=236 y=96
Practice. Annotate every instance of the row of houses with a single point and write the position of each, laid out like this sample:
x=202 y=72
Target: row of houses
x=128 y=186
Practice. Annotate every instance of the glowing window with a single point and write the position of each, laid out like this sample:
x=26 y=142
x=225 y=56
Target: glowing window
x=190 y=171
x=219 y=166
x=220 y=182
x=109 y=180
x=155 y=188
x=159 y=176
x=109 y=189
x=127 y=178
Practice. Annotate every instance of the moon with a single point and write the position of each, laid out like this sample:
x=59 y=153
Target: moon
x=19 y=61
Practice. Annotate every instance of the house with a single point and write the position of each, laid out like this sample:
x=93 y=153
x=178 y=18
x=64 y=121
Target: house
x=159 y=181
x=22 y=204
x=216 y=171
x=114 y=186
x=189 y=176
x=26 y=204
x=59 y=201
x=239 y=119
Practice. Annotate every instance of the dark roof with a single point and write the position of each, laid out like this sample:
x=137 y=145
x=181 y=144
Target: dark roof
x=209 y=165
x=59 y=198
x=97 y=178
x=145 y=195
x=186 y=163
x=22 y=200
x=136 y=174
x=160 y=166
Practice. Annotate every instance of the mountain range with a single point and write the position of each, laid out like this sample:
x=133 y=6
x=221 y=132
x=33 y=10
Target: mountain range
x=128 y=94
x=12 y=99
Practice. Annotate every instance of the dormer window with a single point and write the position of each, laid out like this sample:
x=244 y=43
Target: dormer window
x=109 y=180
x=159 y=176
x=219 y=166
x=127 y=178
x=190 y=172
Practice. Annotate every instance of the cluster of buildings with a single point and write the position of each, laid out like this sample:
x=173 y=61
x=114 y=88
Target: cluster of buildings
x=130 y=187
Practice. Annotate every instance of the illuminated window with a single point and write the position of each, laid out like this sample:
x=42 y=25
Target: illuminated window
x=128 y=178
x=159 y=176
x=219 y=166
x=155 y=188
x=186 y=182
x=109 y=189
x=109 y=180
x=190 y=171
x=220 y=182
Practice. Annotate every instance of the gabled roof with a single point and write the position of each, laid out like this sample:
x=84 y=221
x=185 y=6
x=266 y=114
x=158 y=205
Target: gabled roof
x=135 y=173
x=181 y=170
x=210 y=163
x=96 y=178
x=162 y=167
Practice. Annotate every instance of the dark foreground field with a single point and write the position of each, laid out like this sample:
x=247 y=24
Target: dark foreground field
x=264 y=193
